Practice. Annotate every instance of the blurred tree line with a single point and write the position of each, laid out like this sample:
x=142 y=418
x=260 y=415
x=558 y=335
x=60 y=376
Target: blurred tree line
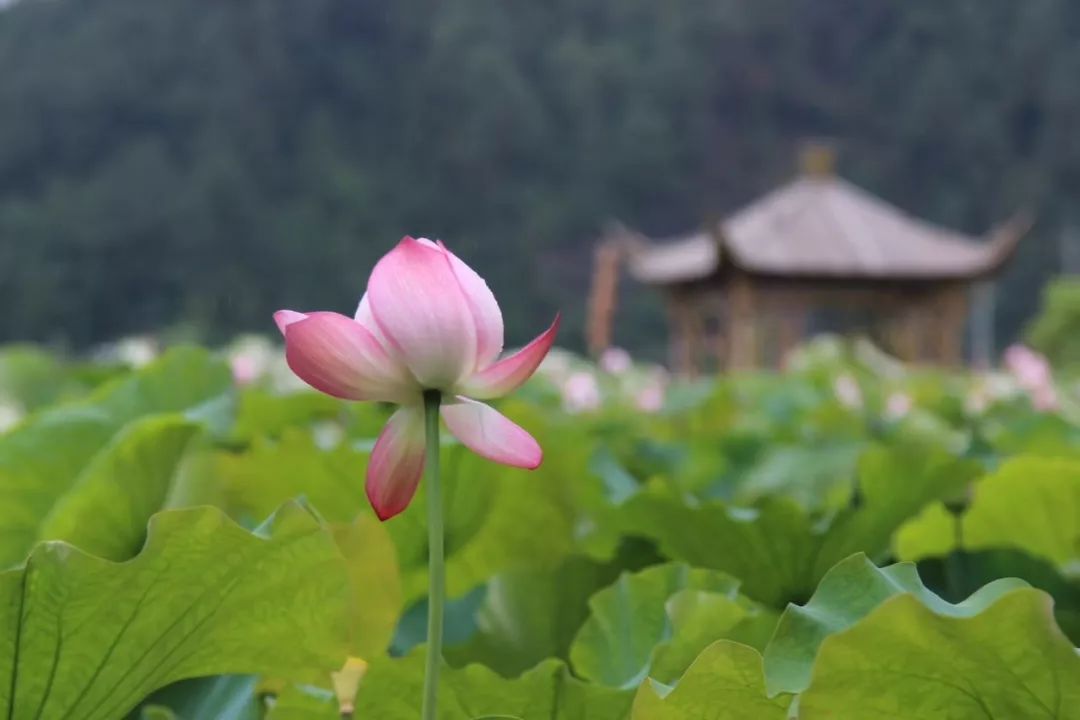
x=209 y=162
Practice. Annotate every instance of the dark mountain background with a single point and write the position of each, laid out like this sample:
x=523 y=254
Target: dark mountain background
x=206 y=162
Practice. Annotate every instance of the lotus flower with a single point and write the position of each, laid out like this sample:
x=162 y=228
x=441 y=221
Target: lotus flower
x=898 y=406
x=427 y=322
x=846 y=389
x=580 y=392
x=650 y=398
x=615 y=361
x=1032 y=372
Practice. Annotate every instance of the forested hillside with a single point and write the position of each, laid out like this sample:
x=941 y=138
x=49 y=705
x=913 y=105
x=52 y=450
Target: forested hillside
x=206 y=163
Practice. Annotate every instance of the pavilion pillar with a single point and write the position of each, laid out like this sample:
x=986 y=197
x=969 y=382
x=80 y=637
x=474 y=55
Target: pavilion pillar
x=687 y=333
x=952 y=318
x=909 y=330
x=742 y=324
x=982 y=325
x=603 y=297
x=791 y=324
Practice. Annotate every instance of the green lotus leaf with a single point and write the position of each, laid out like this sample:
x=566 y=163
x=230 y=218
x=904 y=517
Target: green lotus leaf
x=1006 y=659
x=89 y=638
x=846 y=594
x=616 y=644
x=498 y=519
x=774 y=547
x=222 y=697
x=374 y=583
x=1032 y=504
x=392 y=690
x=270 y=472
x=725 y=682
x=933 y=532
x=527 y=616
x=304 y=702
x=76 y=448
x=106 y=507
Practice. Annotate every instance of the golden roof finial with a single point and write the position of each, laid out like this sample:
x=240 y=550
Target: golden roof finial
x=817 y=158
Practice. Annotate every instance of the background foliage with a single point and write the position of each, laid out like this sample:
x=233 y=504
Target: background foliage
x=203 y=164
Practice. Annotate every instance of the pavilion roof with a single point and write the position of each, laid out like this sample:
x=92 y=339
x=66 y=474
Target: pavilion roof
x=824 y=226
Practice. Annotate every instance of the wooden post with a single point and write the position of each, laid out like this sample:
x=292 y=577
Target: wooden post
x=792 y=325
x=742 y=324
x=908 y=331
x=952 y=320
x=603 y=297
x=982 y=325
x=684 y=343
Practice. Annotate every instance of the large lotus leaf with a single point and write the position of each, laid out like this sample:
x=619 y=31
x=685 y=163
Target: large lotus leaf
x=42 y=459
x=223 y=697
x=527 y=616
x=33 y=377
x=296 y=702
x=698 y=619
x=1032 y=504
x=106 y=510
x=616 y=644
x=375 y=585
x=725 y=682
x=263 y=414
x=88 y=638
x=271 y=471
x=392 y=690
x=816 y=476
x=1006 y=659
x=498 y=519
x=106 y=507
x=775 y=548
x=894 y=485
x=770 y=548
x=931 y=533
x=960 y=574
x=185 y=380
x=846 y=594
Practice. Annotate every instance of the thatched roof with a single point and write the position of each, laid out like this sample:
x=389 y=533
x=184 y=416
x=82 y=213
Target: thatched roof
x=823 y=226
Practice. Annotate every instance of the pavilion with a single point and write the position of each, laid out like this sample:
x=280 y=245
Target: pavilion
x=745 y=290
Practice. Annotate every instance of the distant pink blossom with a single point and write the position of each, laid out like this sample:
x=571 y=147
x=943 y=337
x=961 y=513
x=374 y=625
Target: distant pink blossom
x=580 y=392
x=245 y=369
x=650 y=398
x=1031 y=369
x=847 y=392
x=615 y=360
x=426 y=322
x=1045 y=399
x=1032 y=372
x=898 y=405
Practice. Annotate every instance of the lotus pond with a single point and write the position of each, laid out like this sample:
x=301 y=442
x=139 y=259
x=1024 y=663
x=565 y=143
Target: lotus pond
x=850 y=538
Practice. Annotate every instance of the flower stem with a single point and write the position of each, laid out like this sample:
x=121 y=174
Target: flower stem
x=436 y=564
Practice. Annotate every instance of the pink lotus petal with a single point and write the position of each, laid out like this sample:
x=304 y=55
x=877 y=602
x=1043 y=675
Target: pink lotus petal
x=397 y=462
x=419 y=305
x=485 y=310
x=365 y=318
x=338 y=356
x=490 y=434
x=511 y=372
x=285 y=318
